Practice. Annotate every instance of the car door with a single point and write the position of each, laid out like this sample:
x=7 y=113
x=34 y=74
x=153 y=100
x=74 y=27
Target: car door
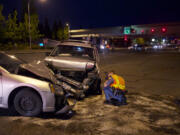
x=1 y=87
x=49 y=59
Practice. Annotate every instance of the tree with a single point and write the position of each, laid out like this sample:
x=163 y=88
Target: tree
x=2 y=23
x=60 y=34
x=12 y=27
x=66 y=32
x=23 y=32
x=54 y=30
x=33 y=27
x=1 y=15
x=25 y=26
x=47 y=30
x=63 y=32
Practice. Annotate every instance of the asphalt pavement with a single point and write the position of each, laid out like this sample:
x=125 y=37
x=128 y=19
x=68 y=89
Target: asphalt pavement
x=153 y=73
x=153 y=82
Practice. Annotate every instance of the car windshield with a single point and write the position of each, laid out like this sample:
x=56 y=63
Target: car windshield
x=74 y=51
x=9 y=62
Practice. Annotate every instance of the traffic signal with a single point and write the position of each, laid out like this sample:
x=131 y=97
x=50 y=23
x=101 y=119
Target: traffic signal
x=125 y=38
x=163 y=30
x=142 y=31
x=152 y=30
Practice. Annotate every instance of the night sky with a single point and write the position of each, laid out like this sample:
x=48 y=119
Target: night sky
x=103 y=13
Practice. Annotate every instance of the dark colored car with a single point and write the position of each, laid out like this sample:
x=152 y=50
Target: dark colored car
x=137 y=47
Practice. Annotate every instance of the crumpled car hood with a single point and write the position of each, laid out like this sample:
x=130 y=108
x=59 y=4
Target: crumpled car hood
x=40 y=69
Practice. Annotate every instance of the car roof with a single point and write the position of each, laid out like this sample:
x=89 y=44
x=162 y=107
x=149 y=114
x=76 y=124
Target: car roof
x=76 y=43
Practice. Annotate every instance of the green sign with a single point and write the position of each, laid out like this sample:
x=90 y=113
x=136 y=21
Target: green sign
x=127 y=30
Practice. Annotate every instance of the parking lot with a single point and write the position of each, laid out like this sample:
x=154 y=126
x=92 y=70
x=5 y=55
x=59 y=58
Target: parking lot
x=152 y=82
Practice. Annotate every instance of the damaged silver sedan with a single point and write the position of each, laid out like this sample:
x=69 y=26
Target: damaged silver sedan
x=30 y=88
x=76 y=63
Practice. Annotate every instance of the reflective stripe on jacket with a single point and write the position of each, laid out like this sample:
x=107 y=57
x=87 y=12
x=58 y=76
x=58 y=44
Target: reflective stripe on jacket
x=118 y=83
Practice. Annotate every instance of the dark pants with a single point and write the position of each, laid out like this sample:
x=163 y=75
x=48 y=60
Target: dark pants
x=110 y=94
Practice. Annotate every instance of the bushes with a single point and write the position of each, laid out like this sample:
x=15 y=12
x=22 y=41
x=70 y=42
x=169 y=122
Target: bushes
x=35 y=46
x=5 y=47
x=10 y=46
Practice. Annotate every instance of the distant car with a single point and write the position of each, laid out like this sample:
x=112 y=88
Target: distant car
x=76 y=63
x=173 y=47
x=136 y=47
x=26 y=90
x=148 y=48
x=158 y=47
x=104 y=48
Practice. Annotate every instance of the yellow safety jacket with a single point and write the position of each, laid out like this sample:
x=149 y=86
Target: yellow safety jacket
x=118 y=83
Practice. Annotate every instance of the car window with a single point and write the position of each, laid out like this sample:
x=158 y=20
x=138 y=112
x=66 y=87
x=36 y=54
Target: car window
x=3 y=70
x=3 y=61
x=8 y=62
x=77 y=51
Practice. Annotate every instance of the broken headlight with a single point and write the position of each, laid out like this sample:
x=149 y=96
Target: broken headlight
x=57 y=90
x=89 y=66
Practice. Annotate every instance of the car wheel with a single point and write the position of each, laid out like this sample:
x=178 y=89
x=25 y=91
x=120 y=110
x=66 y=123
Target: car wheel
x=27 y=103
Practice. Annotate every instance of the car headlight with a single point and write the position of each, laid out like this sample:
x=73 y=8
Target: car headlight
x=52 y=88
x=155 y=47
x=102 y=47
x=57 y=90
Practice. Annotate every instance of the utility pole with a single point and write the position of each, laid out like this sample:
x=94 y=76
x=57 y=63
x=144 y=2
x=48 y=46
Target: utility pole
x=29 y=16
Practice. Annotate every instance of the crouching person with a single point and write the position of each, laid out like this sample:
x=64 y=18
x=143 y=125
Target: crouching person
x=114 y=90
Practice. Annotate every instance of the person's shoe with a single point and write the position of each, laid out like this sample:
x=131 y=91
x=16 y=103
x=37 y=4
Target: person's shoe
x=119 y=103
x=107 y=102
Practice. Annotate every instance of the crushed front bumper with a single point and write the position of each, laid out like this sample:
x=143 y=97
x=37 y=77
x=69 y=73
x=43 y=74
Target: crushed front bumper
x=64 y=105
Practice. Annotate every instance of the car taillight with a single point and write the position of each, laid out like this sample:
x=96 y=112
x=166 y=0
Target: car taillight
x=89 y=66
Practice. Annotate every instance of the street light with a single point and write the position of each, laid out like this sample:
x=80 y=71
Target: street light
x=67 y=25
x=29 y=18
x=42 y=0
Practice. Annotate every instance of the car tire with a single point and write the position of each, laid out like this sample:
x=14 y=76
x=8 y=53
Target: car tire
x=27 y=103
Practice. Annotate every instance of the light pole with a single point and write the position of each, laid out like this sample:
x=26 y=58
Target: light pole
x=29 y=18
x=67 y=24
